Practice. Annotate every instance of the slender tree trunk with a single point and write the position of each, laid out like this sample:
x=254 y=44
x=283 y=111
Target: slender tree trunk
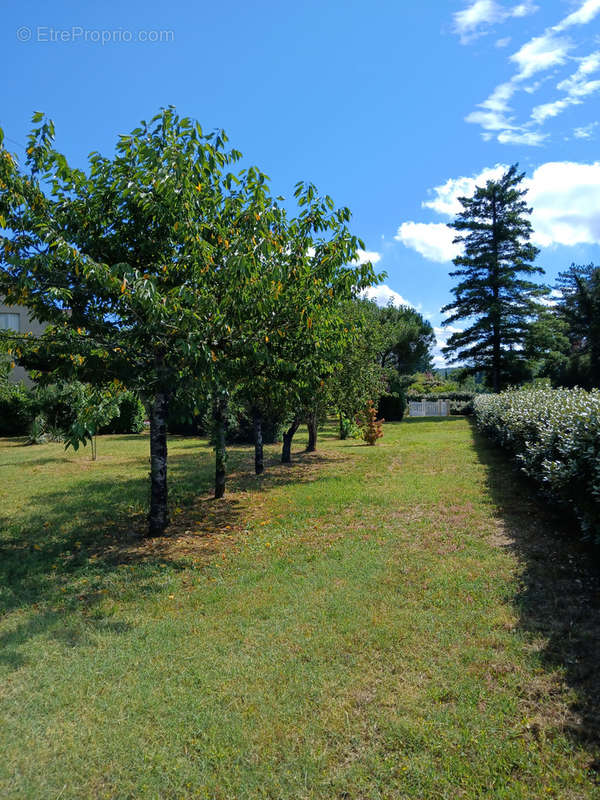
x=496 y=352
x=342 y=428
x=496 y=361
x=286 y=450
x=259 y=464
x=220 y=416
x=159 y=513
x=311 y=424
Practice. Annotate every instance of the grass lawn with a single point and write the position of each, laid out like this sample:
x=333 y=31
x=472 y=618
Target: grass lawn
x=399 y=621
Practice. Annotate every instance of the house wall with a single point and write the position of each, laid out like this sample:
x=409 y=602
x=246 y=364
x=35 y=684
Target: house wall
x=27 y=323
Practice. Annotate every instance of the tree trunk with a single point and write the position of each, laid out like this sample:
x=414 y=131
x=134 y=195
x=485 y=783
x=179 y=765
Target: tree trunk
x=343 y=434
x=259 y=464
x=311 y=424
x=496 y=364
x=496 y=351
x=286 y=450
x=220 y=416
x=159 y=513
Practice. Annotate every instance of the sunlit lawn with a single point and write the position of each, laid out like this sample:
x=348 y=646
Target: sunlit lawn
x=355 y=626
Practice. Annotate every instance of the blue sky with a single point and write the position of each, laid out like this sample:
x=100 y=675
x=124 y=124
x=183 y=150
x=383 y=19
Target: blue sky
x=393 y=108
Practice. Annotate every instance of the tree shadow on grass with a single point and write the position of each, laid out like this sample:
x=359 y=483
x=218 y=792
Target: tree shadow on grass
x=61 y=553
x=560 y=596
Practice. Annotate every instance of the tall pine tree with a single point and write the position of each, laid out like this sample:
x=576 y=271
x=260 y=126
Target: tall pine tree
x=493 y=293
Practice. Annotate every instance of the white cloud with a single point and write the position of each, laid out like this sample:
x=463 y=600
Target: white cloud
x=522 y=137
x=551 y=299
x=540 y=53
x=476 y=18
x=576 y=86
x=523 y=9
x=586 y=131
x=587 y=66
x=480 y=13
x=584 y=14
x=577 y=83
x=504 y=42
x=564 y=196
x=547 y=110
x=446 y=196
x=383 y=294
x=441 y=337
x=367 y=255
x=493 y=116
x=432 y=240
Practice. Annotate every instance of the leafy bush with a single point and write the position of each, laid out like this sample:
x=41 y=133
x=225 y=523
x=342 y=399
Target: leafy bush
x=427 y=383
x=45 y=413
x=192 y=416
x=37 y=431
x=554 y=435
x=372 y=428
x=17 y=409
x=392 y=406
x=130 y=418
x=58 y=404
x=242 y=430
x=189 y=415
x=348 y=428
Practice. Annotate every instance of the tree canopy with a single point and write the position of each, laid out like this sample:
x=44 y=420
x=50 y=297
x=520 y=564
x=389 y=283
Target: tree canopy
x=159 y=268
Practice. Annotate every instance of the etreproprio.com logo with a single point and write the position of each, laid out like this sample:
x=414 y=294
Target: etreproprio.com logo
x=77 y=34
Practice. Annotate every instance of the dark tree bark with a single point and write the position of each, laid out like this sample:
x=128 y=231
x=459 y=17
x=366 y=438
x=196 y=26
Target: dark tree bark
x=220 y=417
x=159 y=512
x=286 y=450
x=343 y=434
x=259 y=464
x=311 y=424
x=495 y=311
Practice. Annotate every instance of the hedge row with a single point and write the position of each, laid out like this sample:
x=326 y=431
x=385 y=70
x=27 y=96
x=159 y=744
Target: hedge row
x=554 y=434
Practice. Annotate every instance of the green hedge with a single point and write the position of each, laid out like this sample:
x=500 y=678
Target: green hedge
x=54 y=408
x=131 y=416
x=17 y=409
x=391 y=407
x=554 y=434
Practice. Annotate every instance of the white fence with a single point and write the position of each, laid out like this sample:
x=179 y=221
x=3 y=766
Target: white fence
x=429 y=408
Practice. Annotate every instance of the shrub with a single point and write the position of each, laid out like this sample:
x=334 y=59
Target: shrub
x=372 y=428
x=189 y=415
x=554 y=434
x=130 y=418
x=17 y=409
x=392 y=406
x=44 y=413
x=348 y=428
x=58 y=404
x=241 y=430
